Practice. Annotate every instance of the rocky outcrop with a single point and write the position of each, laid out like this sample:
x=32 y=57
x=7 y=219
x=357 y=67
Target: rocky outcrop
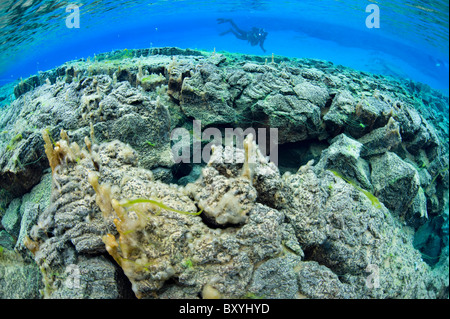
x=96 y=213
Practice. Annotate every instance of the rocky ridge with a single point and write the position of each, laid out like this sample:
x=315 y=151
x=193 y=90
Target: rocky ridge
x=376 y=196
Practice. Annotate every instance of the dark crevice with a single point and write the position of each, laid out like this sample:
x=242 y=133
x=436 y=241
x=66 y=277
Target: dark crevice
x=211 y=223
x=291 y=156
x=428 y=240
x=126 y=291
x=173 y=99
x=320 y=254
x=181 y=170
x=309 y=252
x=326 y=108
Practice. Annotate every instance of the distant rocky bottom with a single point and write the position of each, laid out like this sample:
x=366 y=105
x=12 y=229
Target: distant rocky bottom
x=93 y=204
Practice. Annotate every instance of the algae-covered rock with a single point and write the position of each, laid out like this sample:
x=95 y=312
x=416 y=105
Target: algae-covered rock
x=19 y=278
x=91 y=278
x=66 y=236
x=417 y=213
x=225 y=201
x=11 y=219
x=154 y=233
x=312 y=93
x=107 y=223
x=381 y=140
x=33 y=204
x=395 y=182
x=338 y=226
x=416 y=131
x=300 y=119
x=5 y=198
x=330 y=216
x=344 y=156
x=275 y=279
x=97 y=104
x=6 y=240
x=340 y=112
x=123 y=204
x=316 y=281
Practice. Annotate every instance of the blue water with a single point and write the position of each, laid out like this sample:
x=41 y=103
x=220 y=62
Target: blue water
x=412 y=41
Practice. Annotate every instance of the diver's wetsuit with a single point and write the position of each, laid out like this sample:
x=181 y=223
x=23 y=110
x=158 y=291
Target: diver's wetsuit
x=254 y=37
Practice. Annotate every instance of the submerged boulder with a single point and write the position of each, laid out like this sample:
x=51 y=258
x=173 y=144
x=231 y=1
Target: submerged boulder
x=340 y=112
x=344 y=156
x=381 y=140
x=316 y=281
x=395 y=182
x=12 y=218
x=20 y=278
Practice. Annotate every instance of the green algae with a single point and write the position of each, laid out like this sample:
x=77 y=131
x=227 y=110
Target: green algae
x=375 y=202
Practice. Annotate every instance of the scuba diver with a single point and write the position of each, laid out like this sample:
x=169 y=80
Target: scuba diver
x=254 y=37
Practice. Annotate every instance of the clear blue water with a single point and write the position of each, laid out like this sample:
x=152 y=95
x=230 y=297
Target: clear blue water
x=412 y=41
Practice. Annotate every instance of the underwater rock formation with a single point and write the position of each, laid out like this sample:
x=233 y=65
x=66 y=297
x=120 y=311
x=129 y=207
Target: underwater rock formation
x=104 y=211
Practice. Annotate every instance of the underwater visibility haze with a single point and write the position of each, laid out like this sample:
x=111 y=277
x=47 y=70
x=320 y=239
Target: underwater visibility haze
x=411 y=41
x=111 y=187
